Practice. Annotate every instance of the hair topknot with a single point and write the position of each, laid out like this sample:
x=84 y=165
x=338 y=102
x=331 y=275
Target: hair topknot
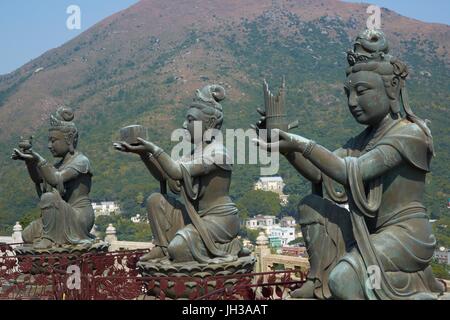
x=65 y=113
x=62 y=119
x=369 y=45
x=207 y=101
x=210 y=95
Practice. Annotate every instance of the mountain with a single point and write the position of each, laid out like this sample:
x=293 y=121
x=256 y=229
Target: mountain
x=142 y=64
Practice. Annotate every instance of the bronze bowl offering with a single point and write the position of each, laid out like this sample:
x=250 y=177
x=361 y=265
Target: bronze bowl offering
x=26 y=144
x=130 y=134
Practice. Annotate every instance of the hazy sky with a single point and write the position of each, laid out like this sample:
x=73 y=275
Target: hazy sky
x=30 y=28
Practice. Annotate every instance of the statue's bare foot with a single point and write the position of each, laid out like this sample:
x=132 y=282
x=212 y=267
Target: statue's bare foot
x=43 y=244
x=155 y=253
x=305 y=292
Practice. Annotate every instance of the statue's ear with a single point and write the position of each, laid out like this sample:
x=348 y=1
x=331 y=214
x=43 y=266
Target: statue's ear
x=68 y=137
x=394 y=95
x=70 y=140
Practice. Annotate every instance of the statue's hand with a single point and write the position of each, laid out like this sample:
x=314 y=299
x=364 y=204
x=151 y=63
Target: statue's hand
x=125 y=147
x=149 y=146
x=261 y=124
x=286 y=143
x=29 y=156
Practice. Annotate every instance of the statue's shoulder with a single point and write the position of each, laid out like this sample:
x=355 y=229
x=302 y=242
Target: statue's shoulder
x=411 y=142
x=406 y=127
x=216 y=153
x=406 y=131
x=80 y=163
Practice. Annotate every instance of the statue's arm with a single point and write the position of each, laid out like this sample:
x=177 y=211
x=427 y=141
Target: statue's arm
x=53 y=176
x=34 y=172
x=35 y=176
x=304 y=167
x=378 y=161
x=371 y=165
x=170 y=167
x=173 y=168
x=153 y=167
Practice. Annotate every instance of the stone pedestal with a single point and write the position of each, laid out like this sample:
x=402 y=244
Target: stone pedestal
x=184 y=280
x=55 y=259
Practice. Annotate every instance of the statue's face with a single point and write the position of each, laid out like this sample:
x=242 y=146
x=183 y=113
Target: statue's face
x=57 y=143
x=194 y=115
x=367 y=98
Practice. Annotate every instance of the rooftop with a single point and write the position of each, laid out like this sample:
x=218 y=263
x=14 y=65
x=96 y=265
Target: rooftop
x=271 y=179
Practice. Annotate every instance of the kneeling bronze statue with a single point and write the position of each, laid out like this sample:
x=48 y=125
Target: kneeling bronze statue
x=381 y=248
x=67 y=216
x=204 y=228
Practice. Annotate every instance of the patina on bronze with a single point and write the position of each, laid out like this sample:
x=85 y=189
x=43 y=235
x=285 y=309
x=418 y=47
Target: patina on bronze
x=204 y=228
x=381 y=248
x=63 y=188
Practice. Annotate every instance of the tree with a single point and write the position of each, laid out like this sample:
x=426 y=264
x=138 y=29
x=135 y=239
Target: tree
x=441 y=271
x=125 y=228
x=250 y=234
x=297 y=241
x=441 y=228
x=260 y=202
x=29 y=217
x=291 y=209
x=140 y=198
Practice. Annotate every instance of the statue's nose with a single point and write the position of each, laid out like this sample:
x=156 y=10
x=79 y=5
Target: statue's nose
x=352 y=100
x=185 y=125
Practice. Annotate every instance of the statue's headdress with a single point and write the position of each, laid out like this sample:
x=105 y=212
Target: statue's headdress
x=369 y=45
x=62 y=121
x=207 y=100
x=371 y=53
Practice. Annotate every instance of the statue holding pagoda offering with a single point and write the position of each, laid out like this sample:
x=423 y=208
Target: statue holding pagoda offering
x=381 y=248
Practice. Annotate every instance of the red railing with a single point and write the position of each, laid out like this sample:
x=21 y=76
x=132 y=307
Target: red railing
x=114 y=276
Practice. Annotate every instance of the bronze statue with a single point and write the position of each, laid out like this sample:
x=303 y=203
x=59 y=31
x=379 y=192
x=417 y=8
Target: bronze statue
x=204 y=228
x=66 y=212
x=382 y=246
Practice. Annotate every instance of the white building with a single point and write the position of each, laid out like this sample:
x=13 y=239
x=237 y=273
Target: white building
x=274 y=184
x=287 y=222
x=286 y=234
x=105 y=208
x=261 y=222
x=442 y=255
x=138 y=218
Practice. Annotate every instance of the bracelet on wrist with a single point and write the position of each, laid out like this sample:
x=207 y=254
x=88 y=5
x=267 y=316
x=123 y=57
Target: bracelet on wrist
x=42 y=163
x=309 y=148
x=158 y=152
